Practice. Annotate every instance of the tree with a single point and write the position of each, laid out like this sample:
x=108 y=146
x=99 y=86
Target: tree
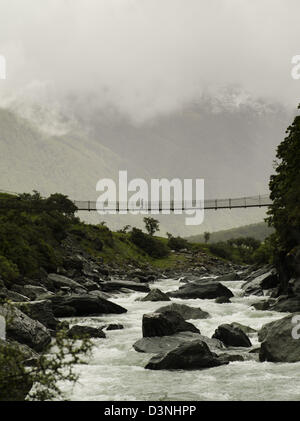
x=152 y=225
x=284 y=213
x=125 y=229
x=206 y=237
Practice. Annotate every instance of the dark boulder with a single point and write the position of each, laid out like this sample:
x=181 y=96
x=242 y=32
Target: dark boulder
x=23 y=329
x=262 y=305
x=159 y=344
x=285 y=304
x=210 y=290
x=162 y=324
x=156 y=295
x=115 y=326
x=278 y=344
x=81 y=332
x=222 y=300
x=41 y=311
x=62 y=281
x=117 y=285
x=34 y=292
x=263 y=278
x=228 y=358
x=83 y=305
x=193 y=355
x=185 y=311
x=232 y=276
x=246 y=329
x=231 y=336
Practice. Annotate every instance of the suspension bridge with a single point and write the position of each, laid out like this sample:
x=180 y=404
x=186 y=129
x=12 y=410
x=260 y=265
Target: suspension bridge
x=257 y=201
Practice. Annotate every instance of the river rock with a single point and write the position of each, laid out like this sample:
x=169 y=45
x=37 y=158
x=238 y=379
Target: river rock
x=35 y=292
x=210 y=289
x=114 y=285
x=193 y=355
x=278 y=343
x=83 y=305
x=285 y=304
x=158 y=344
x=262 y=279
x=62 y=281
x=261 y=305
x=227 y=358
x=232 y=276
x=231 y=336
x=23 y=329
x=115 y=326
x=41 y=311
x=246 y=329
x=163 y=324
x=81 y=332
x=185 y=311
x=156 y=295
x=222 y=300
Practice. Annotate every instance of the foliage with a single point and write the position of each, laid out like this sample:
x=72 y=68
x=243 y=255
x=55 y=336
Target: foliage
x=31 y=229
x=284 y=214
x=206 y=237
x=124 y=230
x=152 y=246
x=238 y=250
x=52 y=366
x=177 y=243
x=151 y=225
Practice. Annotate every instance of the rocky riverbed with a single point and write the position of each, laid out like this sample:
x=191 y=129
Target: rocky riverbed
x=200 y=333
x=117 y=370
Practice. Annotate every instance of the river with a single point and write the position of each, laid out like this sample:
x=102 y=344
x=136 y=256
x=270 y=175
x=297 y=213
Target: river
x=116 y=371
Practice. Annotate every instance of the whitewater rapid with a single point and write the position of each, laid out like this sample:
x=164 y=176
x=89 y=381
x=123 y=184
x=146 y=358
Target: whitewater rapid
x=116 y=371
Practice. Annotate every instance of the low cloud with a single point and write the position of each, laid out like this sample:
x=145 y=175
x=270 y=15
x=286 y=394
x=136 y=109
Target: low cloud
x=148 y=57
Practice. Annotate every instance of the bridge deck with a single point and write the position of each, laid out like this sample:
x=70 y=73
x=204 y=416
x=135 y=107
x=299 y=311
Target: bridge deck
x=231 y=203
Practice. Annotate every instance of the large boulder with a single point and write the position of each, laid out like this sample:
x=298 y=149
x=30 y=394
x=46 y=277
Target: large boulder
x=285 y=304
x=34 y=292
x=193 y=355
x=262 y=279
x=185 y=311
x=41 y=311
x=23 y=329
x=159 y=344
x=115 y=326
x=204 y=289
x=162 y=324
x=278 y=344
x=62 y=281
x=156 y=295
x=83 y=305
x=246 y=329
x=81 y=332
x=232 y=276
x=231 y=336
x=222 y=300
x=117 y=285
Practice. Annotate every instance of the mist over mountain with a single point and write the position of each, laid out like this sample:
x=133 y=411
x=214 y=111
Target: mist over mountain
x=228 y=139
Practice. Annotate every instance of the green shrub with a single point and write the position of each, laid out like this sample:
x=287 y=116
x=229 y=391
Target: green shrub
x=152 y=246
x=8 y=270
x=177 y=243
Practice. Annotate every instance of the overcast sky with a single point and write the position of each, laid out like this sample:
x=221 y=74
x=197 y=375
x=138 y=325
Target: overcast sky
x=150 y=56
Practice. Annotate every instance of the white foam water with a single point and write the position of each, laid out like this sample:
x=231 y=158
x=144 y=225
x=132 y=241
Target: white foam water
x=116 y=371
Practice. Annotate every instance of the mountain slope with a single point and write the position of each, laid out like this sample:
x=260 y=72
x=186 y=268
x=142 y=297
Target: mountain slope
x=258 y=231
